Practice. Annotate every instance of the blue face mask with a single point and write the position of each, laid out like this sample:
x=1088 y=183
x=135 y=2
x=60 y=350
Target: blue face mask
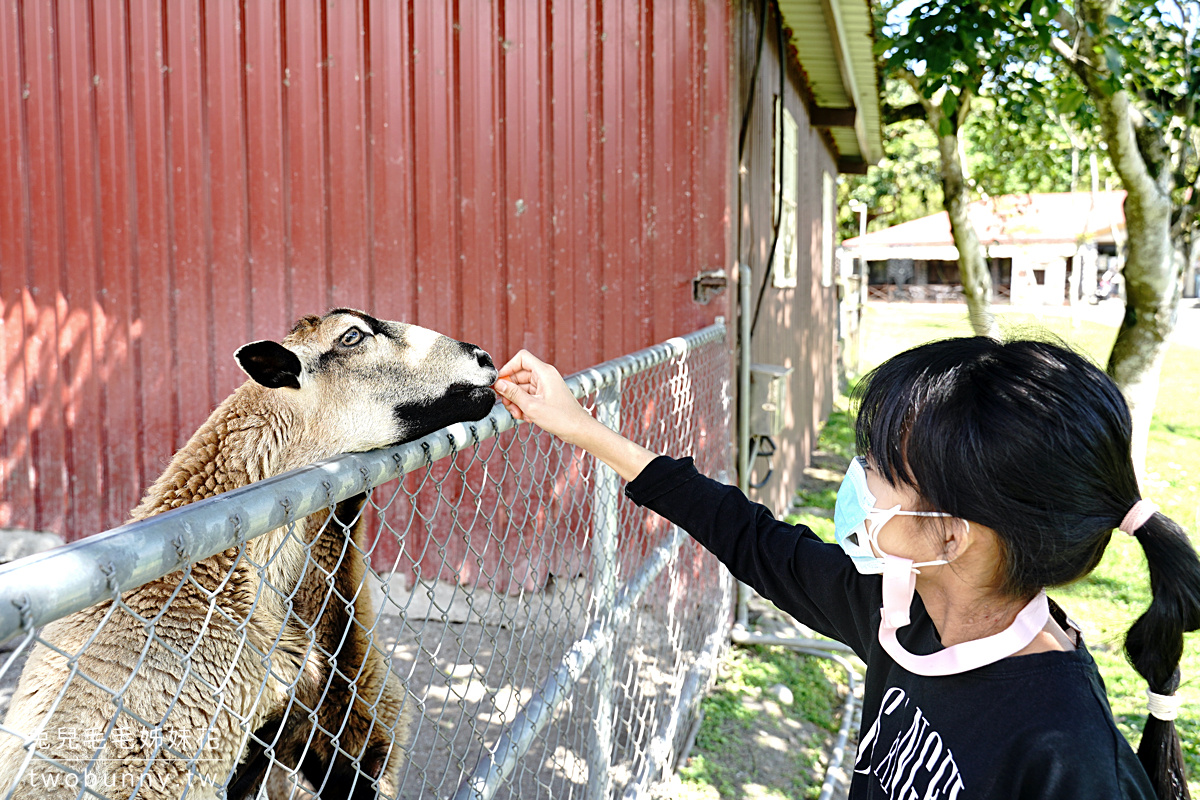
x=854 y=509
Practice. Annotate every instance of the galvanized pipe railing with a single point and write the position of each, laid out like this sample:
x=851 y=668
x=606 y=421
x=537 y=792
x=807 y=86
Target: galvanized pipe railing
x=50 y=585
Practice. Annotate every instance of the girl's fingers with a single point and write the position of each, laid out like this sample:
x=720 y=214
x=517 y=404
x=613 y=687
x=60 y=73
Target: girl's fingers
x=516 y=375
x=510 y=366
x=509 y=391
x=512 y=408
x=523 y=361
x=516 y=396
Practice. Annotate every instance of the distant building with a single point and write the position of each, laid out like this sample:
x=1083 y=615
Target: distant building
x=1044 y=249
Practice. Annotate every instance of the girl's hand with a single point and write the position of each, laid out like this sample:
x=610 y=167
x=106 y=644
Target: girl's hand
x=534 y=391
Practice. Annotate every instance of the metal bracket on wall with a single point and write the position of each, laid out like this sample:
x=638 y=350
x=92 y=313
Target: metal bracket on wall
x=709 y=284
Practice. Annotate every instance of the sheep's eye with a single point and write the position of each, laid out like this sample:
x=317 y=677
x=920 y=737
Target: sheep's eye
x=351 y=337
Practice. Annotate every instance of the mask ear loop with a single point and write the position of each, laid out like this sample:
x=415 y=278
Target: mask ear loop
x=892 y=513
x=940 y=562
x=874 y=524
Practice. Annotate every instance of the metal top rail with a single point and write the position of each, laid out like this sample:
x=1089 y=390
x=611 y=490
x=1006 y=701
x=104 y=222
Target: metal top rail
x=50 y=585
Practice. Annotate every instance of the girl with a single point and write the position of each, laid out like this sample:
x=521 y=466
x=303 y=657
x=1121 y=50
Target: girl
x=987 y=472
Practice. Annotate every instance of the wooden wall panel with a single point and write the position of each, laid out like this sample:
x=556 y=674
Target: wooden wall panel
x=81 y=404
x=188 y=203
x=227 y=240
x=44 y=269
x=156 y=402
x=795 y=327
x=267 y=189
x=574 y=118
x=436 y=164
x=348 y=118
x=482 y=219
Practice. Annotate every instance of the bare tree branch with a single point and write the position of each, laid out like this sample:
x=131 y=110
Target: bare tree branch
x=964 y=108
x=1076 y=62
x=1070 y=24
x=894 y=114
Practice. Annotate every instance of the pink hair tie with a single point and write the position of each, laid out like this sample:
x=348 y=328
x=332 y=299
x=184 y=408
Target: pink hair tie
x=1138 y=514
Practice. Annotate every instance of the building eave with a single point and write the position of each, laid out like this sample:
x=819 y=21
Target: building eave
x=834 y=41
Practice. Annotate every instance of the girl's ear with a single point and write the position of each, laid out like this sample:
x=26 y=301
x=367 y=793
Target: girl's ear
x=957 y=539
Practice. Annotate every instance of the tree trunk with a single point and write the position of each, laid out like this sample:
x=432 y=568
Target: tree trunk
x=1152 y=288
x=972 y=266
x=1151 y=302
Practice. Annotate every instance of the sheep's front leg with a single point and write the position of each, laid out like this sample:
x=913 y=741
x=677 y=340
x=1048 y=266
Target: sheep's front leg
x=363 y=712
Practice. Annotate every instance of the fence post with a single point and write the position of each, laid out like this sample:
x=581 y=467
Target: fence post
x=604 y=592
x=743 y=419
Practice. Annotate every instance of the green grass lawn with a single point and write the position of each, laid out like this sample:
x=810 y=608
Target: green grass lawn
x=1108 y=601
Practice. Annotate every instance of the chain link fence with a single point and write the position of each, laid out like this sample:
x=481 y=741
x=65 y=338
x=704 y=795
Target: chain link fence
x=478 y=614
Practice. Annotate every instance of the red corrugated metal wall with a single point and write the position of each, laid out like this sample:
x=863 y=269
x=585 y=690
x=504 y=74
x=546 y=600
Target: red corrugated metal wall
x=180 y=177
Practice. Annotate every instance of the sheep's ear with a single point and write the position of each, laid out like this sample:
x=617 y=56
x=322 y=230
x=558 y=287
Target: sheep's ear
x=270 y=364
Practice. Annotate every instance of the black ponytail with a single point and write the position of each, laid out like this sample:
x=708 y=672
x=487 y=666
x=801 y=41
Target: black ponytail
x=1154 y=644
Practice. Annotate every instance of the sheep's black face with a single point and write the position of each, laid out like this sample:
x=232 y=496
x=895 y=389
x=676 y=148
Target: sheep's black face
x=361 y=382
x=465 y=400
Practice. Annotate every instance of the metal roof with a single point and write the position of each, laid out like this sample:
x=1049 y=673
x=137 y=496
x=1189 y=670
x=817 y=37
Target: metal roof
x=835 y=40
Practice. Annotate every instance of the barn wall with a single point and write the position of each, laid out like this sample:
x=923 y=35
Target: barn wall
x=796 y=327
x=180 y=177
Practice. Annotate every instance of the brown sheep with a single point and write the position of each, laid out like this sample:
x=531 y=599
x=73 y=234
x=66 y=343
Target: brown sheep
x=158 y=695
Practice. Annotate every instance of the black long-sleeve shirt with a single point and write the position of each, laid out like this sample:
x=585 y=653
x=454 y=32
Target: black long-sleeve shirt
x=1033 y=726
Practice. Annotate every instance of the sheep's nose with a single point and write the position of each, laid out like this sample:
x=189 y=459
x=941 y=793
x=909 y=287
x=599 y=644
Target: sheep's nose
x=480 y=355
